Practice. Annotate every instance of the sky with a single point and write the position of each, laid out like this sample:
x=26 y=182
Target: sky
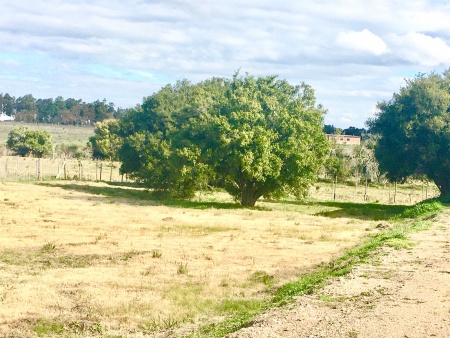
x=353 y=53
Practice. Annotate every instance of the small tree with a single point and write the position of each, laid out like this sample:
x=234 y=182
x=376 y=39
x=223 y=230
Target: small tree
x=106 y=142
x=24 y=142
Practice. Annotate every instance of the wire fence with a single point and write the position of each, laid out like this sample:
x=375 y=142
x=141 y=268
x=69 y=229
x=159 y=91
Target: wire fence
x=28 y=168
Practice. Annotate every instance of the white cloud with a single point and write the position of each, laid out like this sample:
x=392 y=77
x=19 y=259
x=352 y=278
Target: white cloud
x=364 y=41
x=136 y=46
x=422 y=49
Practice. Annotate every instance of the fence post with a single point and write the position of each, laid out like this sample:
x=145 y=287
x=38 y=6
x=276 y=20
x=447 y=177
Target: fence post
x=38 y=169
x=365 y=192
x=395 y=190
x=334 y=190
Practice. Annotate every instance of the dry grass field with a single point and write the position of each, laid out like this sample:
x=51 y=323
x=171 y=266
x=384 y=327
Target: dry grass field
x=61 y=134
x=92 y=259
x=26 y=169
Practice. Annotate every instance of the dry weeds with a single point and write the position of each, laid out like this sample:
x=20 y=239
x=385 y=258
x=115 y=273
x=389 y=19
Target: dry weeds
x=76 y=262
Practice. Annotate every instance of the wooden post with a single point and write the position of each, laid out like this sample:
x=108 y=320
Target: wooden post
x=395 y=190
x=60 y=171
x=334 y=190
x=96 y=169
x=110 y=172
x=101 y=169
x=389 y=186
x=365 y=192
x=38 y=169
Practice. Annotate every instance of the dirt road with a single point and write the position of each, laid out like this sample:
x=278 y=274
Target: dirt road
x=401 y=293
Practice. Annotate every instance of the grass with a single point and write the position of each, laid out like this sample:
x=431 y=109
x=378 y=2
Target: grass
x=314 y=280
x=44 y=327
x=81 y=254
x=368 y=211
x=61 y=134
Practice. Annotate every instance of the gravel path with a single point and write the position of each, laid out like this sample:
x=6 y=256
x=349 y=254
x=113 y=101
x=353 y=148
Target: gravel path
x=402 y=293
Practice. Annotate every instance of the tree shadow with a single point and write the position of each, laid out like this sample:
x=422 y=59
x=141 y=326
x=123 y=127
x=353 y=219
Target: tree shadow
x=363 y=211
x=134 y=193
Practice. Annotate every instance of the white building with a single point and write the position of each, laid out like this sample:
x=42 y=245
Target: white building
x=4 y=117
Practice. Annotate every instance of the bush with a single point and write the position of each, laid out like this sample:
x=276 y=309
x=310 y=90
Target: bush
x=25 y=142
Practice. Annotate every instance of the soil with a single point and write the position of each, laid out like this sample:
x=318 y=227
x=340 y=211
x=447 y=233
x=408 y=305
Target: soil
x=400 y=293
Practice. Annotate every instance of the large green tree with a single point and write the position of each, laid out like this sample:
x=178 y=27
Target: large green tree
x=414 y=130
x=253 y=136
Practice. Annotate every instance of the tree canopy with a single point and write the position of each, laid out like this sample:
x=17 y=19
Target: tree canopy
x=24 y=142
x=414 y=130
x=252 y=136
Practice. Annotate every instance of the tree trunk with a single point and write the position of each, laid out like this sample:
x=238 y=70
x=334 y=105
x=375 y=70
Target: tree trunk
x=444 y=185
x=249 y=198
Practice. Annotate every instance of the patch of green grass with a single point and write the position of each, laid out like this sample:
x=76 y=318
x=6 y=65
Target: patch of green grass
x=422 y=209
x=262 y=277
x=399 y=244
x=329 y=299
x=230 y=306
x=80 y=327
x=44 y=327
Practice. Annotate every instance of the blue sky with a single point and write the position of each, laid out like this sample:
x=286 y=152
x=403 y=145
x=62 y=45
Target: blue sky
x=353 y=53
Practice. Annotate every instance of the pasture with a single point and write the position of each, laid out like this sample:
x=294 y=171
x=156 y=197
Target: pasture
x=95 y=259
x=62 y=134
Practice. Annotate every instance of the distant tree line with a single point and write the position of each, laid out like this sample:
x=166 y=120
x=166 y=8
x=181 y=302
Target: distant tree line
x=331 y=129
x=58 y=111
